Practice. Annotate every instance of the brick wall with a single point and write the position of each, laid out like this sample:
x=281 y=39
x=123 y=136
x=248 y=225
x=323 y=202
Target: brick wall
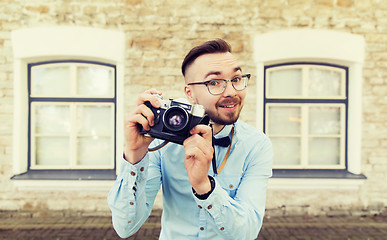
x=160 y=32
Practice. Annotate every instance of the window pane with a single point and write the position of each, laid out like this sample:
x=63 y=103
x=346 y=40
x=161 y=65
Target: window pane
x=285 y=83
x=95 y=120
x=324 y=83
x=52 y=151
x=286 y=151
x=284 y=120
x=95 y=81
x=94 y=151
x=50 y=81
x=324 y=120
x=52 y=119
x=324 y=151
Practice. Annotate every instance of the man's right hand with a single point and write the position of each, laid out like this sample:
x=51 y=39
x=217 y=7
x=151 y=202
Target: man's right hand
x=136 y=144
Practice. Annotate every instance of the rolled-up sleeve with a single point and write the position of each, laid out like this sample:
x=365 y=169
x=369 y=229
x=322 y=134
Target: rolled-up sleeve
x=240 y=216
x=129 y=199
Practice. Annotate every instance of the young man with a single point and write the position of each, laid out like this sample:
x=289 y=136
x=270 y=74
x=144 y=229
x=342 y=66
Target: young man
x=199 y=201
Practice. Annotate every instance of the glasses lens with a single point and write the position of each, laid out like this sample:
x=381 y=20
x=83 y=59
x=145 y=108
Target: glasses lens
x=216 y=86
x=239 y=83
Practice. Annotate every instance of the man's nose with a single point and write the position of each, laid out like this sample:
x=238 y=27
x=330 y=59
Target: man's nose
x=229 y=90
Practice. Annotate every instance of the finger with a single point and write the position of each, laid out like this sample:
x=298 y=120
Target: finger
x=198 y=143
x=194 y=152
x=149 y=95
x=146 y=112
x=153 y=91
x=204 y=130
x=139 y=119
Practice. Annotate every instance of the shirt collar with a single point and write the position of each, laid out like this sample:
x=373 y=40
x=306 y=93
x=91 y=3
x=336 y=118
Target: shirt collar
x=224 y=132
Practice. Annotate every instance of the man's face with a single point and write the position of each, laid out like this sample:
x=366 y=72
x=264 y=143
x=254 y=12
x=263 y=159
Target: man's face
x=224 y=108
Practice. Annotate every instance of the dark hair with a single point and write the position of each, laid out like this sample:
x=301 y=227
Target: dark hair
x=213 y=46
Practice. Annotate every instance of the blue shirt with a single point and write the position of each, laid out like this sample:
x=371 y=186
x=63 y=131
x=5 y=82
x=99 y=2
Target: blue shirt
x=234 y=210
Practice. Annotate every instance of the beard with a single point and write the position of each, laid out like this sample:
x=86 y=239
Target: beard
x=226 y=118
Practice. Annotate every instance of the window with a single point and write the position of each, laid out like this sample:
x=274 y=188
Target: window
x=72 y=115
x=309 y=102
x=305 y=115
x=68 y=106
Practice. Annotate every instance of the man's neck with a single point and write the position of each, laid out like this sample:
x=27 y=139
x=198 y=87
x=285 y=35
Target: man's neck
x=217 y=128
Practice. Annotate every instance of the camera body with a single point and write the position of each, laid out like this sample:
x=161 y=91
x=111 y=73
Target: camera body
x=174 y=119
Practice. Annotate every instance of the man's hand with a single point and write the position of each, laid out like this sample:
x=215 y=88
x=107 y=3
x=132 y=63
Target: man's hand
x=136 y=144
x=198 y=155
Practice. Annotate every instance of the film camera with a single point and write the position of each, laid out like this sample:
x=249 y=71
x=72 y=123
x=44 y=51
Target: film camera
x=174 y=119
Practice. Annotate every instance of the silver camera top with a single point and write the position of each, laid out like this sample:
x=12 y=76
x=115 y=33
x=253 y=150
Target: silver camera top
x=195 y=109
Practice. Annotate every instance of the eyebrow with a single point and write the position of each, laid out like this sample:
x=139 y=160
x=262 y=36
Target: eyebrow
x=219 y=73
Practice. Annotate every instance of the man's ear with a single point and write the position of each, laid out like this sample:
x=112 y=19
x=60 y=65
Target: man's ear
x=189 y=94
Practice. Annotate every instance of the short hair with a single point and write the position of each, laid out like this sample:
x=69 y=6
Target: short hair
x=213 y=46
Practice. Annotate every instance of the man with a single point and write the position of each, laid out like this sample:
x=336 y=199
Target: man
x=199 y=202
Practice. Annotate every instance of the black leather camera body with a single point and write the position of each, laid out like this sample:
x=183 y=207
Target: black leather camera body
x=174 y=119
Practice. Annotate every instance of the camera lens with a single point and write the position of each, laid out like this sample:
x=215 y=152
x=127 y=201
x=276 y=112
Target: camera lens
x=175 y=118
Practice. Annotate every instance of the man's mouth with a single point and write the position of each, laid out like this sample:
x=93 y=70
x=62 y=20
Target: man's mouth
x=228 y=106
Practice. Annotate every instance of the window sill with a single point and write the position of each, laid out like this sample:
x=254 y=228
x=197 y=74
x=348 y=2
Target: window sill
x=65 y=180
x=67 y=175
x=316 y=173
x=297 y=179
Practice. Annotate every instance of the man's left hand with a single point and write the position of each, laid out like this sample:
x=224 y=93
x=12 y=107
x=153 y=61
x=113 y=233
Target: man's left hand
x=198 y=156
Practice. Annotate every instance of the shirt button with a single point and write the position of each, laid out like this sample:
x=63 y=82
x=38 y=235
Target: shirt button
x=201 y=228
x=231 y=186
x=131 y=203
x=200 y=207
x=209 y=207
x=133 y=173
x=222 y=228
x=142 y=169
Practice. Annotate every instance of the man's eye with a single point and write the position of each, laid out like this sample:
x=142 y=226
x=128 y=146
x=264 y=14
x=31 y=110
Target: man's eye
x=236 y=79
x=214 y=83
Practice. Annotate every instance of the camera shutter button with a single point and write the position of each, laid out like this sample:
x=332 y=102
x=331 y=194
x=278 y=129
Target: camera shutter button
x=157 y=117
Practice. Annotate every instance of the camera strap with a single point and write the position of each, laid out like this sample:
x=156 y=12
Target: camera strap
x=214 y=168
x=158 y=146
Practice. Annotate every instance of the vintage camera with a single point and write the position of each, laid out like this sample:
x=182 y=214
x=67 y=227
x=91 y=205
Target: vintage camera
x=174 y=119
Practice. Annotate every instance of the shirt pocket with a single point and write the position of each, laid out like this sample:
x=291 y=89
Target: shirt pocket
x=229 y=183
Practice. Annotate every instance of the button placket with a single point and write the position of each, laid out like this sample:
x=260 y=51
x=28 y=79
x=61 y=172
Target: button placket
x=202 y=223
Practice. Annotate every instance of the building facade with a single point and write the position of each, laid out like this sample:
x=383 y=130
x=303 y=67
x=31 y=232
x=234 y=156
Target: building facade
x=71 y=70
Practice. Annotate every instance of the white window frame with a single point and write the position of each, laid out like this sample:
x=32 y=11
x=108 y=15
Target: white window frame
x=72 y=137
x=305 y=70
x=304 y=135
x=73 y=66
x=325 y=46
x=39 y=44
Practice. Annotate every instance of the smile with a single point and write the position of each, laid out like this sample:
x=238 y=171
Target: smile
x=228 y=106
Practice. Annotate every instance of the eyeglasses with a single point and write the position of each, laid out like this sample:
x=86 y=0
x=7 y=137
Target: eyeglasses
x=217 y=86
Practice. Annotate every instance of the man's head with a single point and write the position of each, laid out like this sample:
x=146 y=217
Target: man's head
x=209 y=61
x=214 y=46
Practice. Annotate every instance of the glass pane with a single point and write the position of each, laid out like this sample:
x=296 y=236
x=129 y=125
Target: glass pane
x=52 y=119
x=324 y=83
x=51 y=81
x=287 y=151
x=95 y=120
x=52 y=151
x=94 y=151
x=95 y=81
x=324 y=120
x=285 y=83
x=284 y=120
x=324 y=151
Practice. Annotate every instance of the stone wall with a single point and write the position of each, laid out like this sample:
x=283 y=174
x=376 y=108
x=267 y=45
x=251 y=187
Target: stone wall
x=158 y=35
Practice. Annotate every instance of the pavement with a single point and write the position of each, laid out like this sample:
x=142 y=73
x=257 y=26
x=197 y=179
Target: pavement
x=64 y=227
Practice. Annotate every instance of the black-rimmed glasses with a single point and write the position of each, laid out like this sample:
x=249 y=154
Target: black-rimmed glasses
x=217 y=86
